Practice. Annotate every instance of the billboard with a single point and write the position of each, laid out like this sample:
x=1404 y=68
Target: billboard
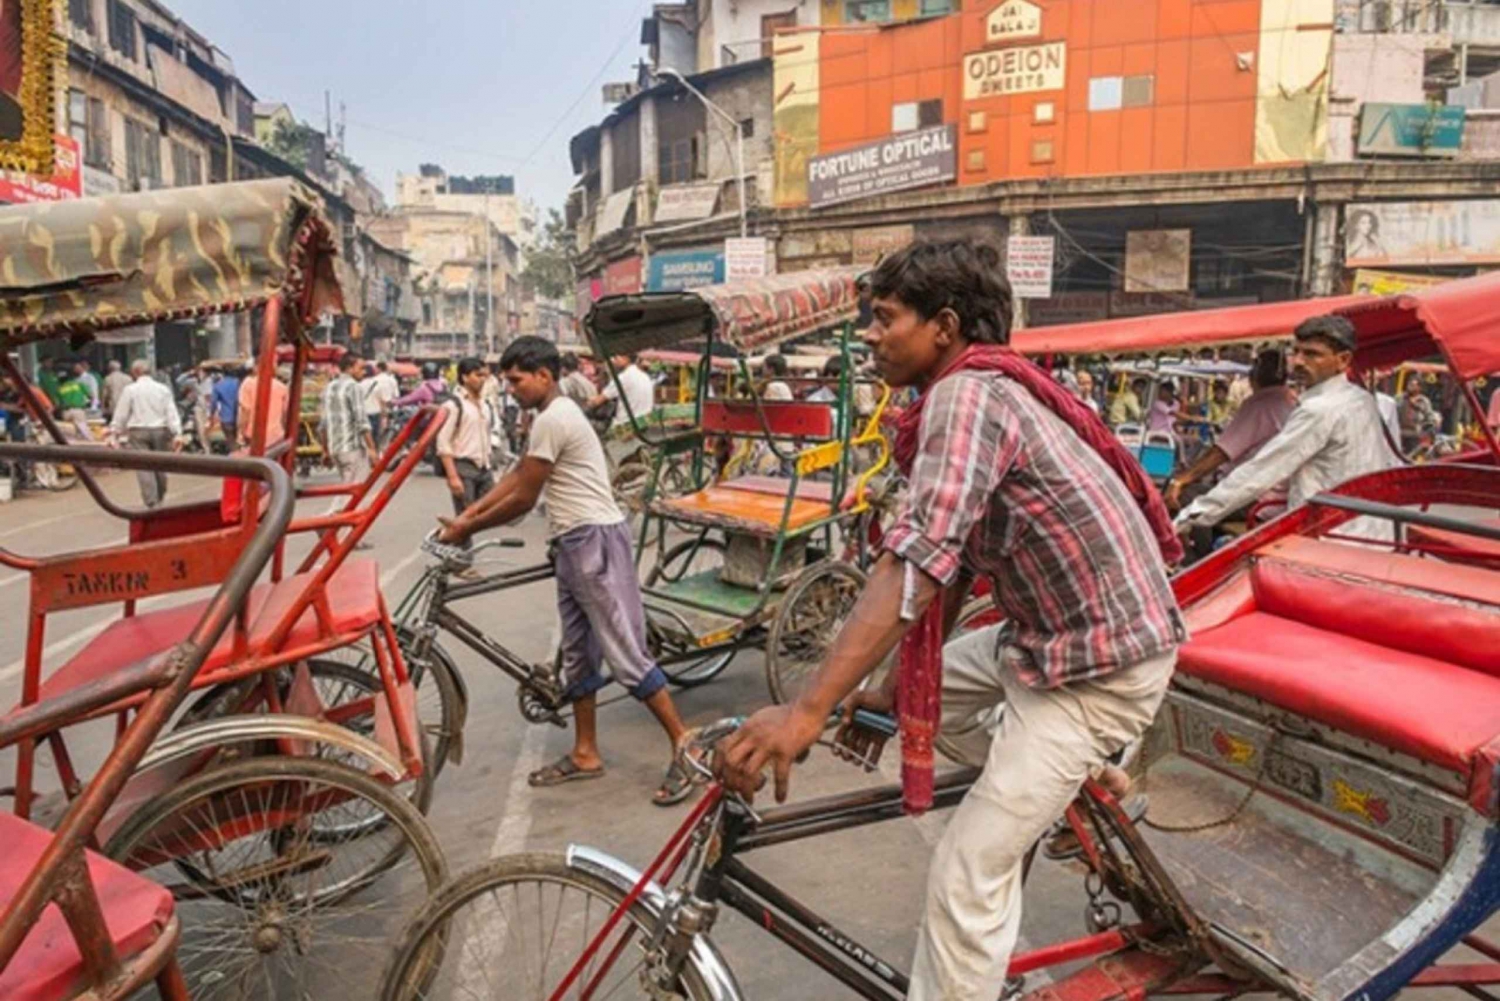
x=909 y=160
x=1377 y=234
x=1028 y=266
x=685 y=202
x=64 y=184
x=684 y=269
x=1411 y=130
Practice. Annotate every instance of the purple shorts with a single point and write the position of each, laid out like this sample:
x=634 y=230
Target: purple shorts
x=599 y=602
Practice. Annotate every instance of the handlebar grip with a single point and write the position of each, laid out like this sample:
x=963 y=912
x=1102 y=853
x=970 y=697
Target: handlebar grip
x=513 y=543
x=879 y=722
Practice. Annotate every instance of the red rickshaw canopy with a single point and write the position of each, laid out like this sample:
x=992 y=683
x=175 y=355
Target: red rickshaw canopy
x=1458 y=319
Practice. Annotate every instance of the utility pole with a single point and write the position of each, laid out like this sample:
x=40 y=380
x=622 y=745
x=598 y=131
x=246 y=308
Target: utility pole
x=489 y=276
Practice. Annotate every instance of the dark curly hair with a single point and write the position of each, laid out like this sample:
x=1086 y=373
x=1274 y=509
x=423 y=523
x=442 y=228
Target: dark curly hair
x=961 y=275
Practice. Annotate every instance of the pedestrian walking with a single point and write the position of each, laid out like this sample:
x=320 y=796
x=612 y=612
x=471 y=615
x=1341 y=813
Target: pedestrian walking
x=146 y=417
x=276 y=415
x=347 y=443
x=114 y=384
x=224 y=405
x=463 y=443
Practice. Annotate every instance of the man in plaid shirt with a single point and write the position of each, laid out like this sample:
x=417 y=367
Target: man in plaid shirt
x=1000 y=485
x=347 y=442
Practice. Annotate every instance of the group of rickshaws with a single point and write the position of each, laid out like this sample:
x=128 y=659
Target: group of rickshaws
x=273 y=731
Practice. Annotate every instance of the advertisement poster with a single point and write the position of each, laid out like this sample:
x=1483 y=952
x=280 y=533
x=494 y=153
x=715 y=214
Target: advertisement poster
x=909 y=160
x=744 y=257
x=26 y=89
x=1378 y=234
x=622 y=277
x=1157 y=260
x=1028 y=266
x=675 y=271
x=1369 y=282
x=66 y=182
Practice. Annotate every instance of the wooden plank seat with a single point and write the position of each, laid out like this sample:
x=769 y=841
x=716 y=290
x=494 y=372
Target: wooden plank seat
x=778 y=486
x=1400 y=651
x=48 y=966
x=354 y=603
x=750 y=511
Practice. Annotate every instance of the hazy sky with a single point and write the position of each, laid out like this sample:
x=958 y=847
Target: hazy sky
x=474 y=85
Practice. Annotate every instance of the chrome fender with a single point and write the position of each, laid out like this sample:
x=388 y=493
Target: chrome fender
x=205 y=736
x=706 y=958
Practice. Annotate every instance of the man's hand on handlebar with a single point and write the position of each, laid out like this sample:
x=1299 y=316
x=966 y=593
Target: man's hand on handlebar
x=857 y=744
x=776 y=736
x=453 y=532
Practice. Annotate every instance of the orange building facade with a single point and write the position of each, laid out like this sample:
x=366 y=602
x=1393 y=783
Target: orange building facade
x=1066 y=88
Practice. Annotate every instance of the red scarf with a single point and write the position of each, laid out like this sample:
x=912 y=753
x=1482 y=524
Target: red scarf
x=919 y=685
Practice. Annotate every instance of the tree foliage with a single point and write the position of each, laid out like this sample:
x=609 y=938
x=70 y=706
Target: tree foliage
x=292 y=141
x=549 y=268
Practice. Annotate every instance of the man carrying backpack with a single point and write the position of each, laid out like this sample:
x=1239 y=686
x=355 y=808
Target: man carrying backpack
x=463 y=443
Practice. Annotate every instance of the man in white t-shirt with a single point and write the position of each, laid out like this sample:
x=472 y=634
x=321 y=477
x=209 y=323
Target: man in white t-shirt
x=598 y=594
x=639 y=394
x=380 y=390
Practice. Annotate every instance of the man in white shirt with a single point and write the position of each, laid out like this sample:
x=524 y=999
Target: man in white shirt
x=1334 y=435
x=777 y=390
x=598 y=593
x=463 y=442
x=639 y=394
x=575 y=385
x=380 y=390
x=146 y=416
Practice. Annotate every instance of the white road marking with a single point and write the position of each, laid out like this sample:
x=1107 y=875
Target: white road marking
x=32 y=526
x=7 y=582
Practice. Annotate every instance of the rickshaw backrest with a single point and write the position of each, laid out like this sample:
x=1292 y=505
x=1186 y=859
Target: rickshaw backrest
x=1450 y=628
x=136 y=571
x=812 y=421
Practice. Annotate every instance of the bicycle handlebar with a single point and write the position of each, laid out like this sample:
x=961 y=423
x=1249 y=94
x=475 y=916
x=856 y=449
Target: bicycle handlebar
x=456 y=556
x=708 y=737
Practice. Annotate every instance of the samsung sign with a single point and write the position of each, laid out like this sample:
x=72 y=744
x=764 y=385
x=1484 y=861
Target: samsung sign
x=910 y=160
x=673 y=272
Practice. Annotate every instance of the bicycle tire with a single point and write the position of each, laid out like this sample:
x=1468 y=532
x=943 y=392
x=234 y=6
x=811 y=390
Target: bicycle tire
x=698 y=672
x=221 y=903
x=418 y=957
x=789 y=659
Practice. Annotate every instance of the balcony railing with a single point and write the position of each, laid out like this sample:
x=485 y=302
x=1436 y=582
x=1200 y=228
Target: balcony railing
x=1474 y=22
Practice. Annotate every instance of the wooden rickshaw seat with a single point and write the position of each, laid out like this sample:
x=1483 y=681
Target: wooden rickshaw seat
x=725 y=505
x=49 y=965
x=354 y=604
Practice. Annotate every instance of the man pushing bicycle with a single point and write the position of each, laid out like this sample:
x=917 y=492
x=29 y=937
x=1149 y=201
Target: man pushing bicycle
x=1013 y=478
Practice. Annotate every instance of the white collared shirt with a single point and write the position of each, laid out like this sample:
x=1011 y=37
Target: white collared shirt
x=145 y=404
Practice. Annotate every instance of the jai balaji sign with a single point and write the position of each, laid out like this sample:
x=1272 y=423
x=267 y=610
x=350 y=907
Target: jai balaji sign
x=1012 y=20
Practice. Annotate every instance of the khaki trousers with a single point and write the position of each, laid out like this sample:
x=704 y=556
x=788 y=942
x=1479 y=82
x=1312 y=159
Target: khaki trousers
x=1035 y=757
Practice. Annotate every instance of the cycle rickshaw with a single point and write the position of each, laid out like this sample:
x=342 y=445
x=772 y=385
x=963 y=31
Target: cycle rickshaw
x=272 y=804
x=1324 y=780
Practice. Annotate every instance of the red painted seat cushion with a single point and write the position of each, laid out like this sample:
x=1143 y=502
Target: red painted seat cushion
x=48 y=966
x=1431 y=709
x=353 y=597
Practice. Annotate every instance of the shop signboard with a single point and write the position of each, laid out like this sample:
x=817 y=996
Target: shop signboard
x=1367 y=281
x=744 y=257
x=1379 y=234
x=623 y=277
x=65 y=184
x=1012 y=20
x=1157 y=260
x=686 y=202
x=910 y=160
x=1422 y=130
x=1023 y=69
x=1148 y=303
x=684 y=269
x=1028 y=266
x=1068 y=307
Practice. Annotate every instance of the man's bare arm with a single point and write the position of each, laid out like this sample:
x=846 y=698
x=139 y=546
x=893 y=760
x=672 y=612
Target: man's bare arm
x=511 y=498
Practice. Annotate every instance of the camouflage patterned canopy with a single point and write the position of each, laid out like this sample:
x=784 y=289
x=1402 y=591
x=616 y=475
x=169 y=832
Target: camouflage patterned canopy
x=749 y=315
x=73 y=268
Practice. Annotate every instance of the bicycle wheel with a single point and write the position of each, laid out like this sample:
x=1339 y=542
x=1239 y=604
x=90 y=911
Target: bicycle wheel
x=809 y=617
x=684 y=560
x=268 y=910
x=338 y=686
x=511 y=929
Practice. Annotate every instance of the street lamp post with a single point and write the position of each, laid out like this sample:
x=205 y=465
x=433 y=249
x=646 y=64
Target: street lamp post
x=739 y=138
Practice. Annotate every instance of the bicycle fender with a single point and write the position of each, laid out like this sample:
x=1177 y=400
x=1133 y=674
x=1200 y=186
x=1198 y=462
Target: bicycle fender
x=210 y=734
x=706 y=958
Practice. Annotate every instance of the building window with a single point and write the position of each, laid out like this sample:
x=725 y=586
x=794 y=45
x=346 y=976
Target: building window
x=911 y=115
x=975 y=160
x=677 y=162
x=81 y=13
x=88 y=124
x=867 y=10
x=1138 y=91
x=78 y=118
x=142 y=156
x=747 y=128
x=978 y=121
x=1041 y=151
x=933 y=8
x=122 y=29
x=187 y=166
x=1106 y=93
x=1045 y=113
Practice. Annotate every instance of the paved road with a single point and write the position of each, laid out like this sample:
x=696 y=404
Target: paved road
x=866 y=882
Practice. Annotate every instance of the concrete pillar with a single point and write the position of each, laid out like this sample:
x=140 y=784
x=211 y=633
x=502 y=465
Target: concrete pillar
x=650 y=165
x=1020 y=225
x=1325 y=260
x=606 y=163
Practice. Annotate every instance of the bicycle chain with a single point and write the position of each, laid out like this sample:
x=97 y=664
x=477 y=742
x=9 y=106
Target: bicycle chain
x=1255 y=786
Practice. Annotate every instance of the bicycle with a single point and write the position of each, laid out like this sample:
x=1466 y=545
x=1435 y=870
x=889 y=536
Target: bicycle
x=649 y=935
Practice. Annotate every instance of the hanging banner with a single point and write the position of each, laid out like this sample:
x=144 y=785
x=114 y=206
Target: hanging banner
x=29 y=65
x=909 y=160
x=1021 y=70
x=1028 y=266
x=65 y=183
x=1157 y=260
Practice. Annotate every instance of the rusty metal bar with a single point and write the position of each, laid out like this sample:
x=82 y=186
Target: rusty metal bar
x=44 y=717
x=182 y=664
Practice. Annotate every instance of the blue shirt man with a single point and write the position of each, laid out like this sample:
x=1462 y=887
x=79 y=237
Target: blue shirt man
x=224 y=401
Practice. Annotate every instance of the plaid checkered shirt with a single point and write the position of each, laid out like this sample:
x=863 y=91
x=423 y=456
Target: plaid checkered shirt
x=1002 y=487
x=344 y=420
